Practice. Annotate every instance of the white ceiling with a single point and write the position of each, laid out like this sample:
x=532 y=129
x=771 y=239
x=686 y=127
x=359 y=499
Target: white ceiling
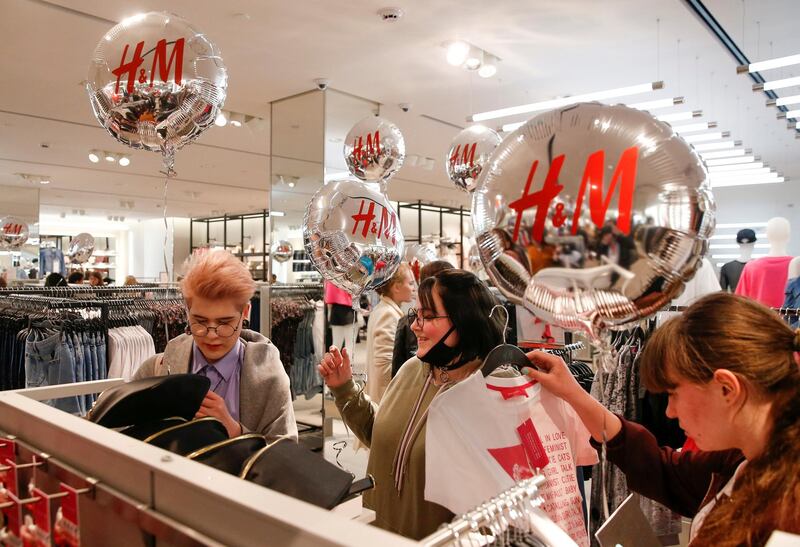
x=548 y=48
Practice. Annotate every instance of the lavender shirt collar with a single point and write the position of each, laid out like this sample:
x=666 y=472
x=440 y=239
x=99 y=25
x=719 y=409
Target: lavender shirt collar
x=224 y=374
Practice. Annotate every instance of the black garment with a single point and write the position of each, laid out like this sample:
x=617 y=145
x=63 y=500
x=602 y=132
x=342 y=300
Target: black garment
x=405 y=344
x=341 y=315
x=729 y=275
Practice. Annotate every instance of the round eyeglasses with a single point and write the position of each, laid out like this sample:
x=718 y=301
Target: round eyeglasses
x=414 y=316
x=223 y=330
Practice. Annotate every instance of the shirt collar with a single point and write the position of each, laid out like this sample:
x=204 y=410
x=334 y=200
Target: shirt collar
x=225 y=366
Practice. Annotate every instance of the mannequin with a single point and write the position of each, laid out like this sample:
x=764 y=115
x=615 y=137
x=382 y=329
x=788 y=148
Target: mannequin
x=764 y=279
x=731 y=272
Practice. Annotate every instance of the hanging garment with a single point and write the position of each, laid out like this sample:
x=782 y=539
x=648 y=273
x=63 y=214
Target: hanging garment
x=51 y=260
x=764 y=280
x=485 y=434
x=128 y=347
x=792 y=299
x=729 y=275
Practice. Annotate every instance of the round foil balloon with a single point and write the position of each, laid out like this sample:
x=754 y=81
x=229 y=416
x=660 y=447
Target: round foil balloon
x=13 y=233
x=612 y=189
x=421 y=254
x=352 y=235
x=155 y=82
x=468 y=153
x=374 y=149
x=282 y=251
x=474 y=260
x=81 y=248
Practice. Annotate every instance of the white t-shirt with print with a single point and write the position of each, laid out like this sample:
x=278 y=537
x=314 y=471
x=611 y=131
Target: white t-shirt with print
x=474 y=451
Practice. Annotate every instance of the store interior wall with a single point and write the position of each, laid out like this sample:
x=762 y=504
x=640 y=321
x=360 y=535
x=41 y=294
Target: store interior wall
x=22 y=204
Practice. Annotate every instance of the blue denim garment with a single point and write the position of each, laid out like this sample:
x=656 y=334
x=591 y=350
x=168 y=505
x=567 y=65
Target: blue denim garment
x=792 y=299
x=75 y=346
x=102 y=366
x=48 y=361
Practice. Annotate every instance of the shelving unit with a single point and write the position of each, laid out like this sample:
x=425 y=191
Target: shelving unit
x=104 y=248
x=419 y=207
x=258 y=269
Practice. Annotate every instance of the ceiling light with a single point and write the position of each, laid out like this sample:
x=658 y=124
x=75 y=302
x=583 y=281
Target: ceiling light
x=743 y=225
x=770 y=180
x=44 y=180
x=777 y=84
x=730 y=161
x=692 y=127
x=659 y=103
x=707 y=136
x=489 y=66
x=565 y=101
x=736 y=246
x=769 y=64
x=511 y=126
x=741 y=175
x=731 y=236
x=277 y=214
x=474 y=59
x=221 y=120
x=722 y=145
x=740 y=172
x=94 y=156
x=680 y=116
x=724 y=154
x=793 y=114
x=236 y=119
x=124 y=160
x=784 y=101
x=457 y=53
x=110 y=157
x=724 y=168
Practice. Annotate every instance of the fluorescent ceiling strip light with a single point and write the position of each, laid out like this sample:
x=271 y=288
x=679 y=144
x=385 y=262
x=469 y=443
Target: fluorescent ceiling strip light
x=784 y=101
x=746 y=167
x=736 y=246
x=723 y=154
x=565 y=101
x=743 y=176
x=793 y=114
x=744 y=225
x=679 y=116
x=730 y=161
x=777 y=84
x=736 y=255
x=740 y=173
x=733 y=236
x=658 y=103
x=511 y=127
x=693 y=127
x=722 y=145
x=769 y=64
x=707 y=136
x=773 y=180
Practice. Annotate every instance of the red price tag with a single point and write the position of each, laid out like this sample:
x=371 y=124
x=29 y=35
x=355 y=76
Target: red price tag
x=8 y=458
x=13 y=517
x=66 y=531
x=40 y=510
x=534 y=449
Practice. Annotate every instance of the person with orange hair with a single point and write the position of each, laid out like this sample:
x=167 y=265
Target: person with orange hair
x=249 y=386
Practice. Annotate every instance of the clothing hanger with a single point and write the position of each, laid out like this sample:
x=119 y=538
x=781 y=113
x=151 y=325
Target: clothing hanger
x=504 y=354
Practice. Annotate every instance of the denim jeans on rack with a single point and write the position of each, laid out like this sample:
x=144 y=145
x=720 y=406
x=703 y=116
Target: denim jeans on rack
x=48 y=362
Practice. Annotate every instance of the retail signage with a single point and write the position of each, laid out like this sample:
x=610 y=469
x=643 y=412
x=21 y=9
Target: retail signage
x=362 y=153
x=591 y=182
x=373 y=221
x=66 y=531
x=13 y=228
x=10 y=536
x=40 y=510
x=8 y=468
x=160 y=63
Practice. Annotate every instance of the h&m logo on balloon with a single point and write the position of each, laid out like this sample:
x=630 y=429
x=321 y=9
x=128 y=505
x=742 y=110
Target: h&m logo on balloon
x=159 y=62
x=362 y=154
x=13 y=228
x=364 y=221
x=467 y=155
x=625 y=174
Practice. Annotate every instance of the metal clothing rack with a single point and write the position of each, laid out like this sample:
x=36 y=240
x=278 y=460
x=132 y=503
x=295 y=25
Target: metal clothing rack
x=491 y=513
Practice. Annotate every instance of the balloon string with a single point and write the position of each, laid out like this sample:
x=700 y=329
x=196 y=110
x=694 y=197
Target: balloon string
x=169 y=172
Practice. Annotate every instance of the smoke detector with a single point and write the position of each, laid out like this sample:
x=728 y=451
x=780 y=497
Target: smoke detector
x=391 y=14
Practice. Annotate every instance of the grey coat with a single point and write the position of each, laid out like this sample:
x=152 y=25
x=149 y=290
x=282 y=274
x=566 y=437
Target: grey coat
x=265 y=402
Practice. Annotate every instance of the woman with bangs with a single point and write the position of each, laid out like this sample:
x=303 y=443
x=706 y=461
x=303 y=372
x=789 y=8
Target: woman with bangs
x=731 y=372
x=454 y=334
x=249 y=387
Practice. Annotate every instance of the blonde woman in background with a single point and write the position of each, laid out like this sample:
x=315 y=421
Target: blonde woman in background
x=382 y=327
x=130 y=280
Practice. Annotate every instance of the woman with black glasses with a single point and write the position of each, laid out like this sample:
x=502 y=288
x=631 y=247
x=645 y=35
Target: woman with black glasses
x=249 y=386
x=454 y=334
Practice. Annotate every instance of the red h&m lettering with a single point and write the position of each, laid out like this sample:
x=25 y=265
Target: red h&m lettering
x=159 y=62
x=467 y=154
x=360 y=155
x=387 y=228
x=593 y=174
x=366 y=218
x=625 y=173
x=12 y=229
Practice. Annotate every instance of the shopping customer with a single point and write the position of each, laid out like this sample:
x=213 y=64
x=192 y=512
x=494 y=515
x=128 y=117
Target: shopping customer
x=96 y=279
x=75 y=278
x=341 y=315
x=729 y=367
x=249 y=387
x=55 y=280
x=455 y=334
x=405 y=342
x=382 y=327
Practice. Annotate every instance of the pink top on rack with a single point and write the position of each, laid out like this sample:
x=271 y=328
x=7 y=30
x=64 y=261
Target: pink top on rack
x=335 y=295
x=764 y=280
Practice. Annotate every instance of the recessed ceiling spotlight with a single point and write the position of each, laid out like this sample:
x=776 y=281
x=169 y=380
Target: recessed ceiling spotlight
x=474 y=59
x=236 y=119
x=44 y=180
x=124 y=160
x=110 y=157
x=94 y=156
x=222 y=119
x=489 y=66
x=457 y=52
